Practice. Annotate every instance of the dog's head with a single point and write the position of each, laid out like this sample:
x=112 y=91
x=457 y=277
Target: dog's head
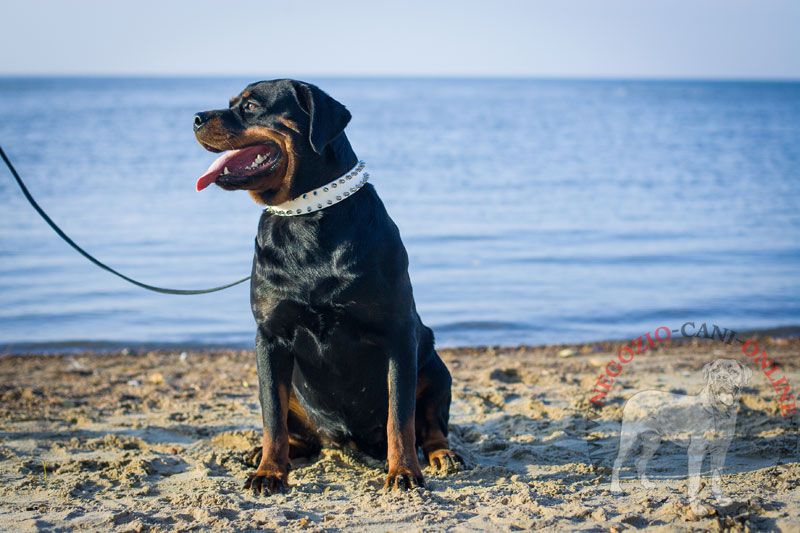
x=725 y=379
x=275 y=133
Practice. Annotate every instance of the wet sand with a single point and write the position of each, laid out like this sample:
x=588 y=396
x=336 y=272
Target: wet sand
x=155 y=441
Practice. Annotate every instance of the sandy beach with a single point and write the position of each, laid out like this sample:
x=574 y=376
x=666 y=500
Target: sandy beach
x=156 y=440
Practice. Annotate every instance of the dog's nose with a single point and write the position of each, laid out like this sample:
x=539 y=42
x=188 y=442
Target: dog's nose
x=200 y=119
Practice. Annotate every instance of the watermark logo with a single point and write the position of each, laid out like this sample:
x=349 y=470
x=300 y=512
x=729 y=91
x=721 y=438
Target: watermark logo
x=704 y=424
x=772 y=371
x=699 y=427
x=640 y=345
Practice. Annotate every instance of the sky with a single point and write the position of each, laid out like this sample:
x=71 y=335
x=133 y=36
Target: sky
x=557 y=38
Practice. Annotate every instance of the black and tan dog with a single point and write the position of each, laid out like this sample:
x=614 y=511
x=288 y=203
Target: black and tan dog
x=341 y=352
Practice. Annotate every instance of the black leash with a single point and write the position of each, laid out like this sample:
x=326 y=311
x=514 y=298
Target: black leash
x=88 y=256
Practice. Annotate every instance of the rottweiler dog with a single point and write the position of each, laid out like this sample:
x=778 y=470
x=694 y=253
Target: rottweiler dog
x=342 y=355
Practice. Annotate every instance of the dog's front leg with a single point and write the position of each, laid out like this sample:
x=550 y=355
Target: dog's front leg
x=404 y=470
x=719 y=449
x=274 y=363
x=697 y=450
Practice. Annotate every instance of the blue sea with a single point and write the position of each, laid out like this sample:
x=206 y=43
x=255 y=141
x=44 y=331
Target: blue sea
x=533 y=211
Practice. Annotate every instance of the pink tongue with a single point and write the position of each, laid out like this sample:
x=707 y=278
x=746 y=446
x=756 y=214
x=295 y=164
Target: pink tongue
x=214 y=170
x=207 y=179
x=235 y=160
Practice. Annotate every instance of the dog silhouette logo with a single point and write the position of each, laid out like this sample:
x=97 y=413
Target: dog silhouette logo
x=704 y=424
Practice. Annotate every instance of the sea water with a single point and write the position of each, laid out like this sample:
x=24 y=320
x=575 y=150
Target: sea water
x=533 y=211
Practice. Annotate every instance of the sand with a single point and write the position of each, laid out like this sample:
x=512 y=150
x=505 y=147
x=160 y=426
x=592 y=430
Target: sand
x=155 y=440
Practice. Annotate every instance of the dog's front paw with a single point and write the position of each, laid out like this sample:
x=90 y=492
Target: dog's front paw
x=268 y=480
x=699 y=510
x=445 y=461
x=722 y=499
x=615 y=488
x=694 y=510
x=646 y=483
x=403 y=479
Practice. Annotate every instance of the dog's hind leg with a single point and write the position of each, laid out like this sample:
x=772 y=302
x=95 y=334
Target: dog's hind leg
x=650 y=443
x=432 y=415
x=627 y=438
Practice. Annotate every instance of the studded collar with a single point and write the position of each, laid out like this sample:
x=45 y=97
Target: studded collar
x=322 y=197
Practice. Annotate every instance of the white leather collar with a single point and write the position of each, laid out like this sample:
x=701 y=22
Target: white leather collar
x=322 y=197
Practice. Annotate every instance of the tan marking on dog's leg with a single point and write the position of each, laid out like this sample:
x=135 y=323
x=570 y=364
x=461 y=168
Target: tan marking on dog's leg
x=272 y=474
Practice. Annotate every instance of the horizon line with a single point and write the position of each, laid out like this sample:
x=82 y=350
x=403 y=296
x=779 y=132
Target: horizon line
x=521 y=77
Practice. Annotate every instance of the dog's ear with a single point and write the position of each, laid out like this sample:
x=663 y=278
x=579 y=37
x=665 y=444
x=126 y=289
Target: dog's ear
x=327 y=117
x=707 y=370
x=746 y=372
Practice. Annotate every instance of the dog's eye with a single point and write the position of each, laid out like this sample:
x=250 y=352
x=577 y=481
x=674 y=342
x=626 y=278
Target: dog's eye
x=250 y=106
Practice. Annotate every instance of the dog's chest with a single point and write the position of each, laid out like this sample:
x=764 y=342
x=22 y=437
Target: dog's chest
x=302 y=257
x=331 y=286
